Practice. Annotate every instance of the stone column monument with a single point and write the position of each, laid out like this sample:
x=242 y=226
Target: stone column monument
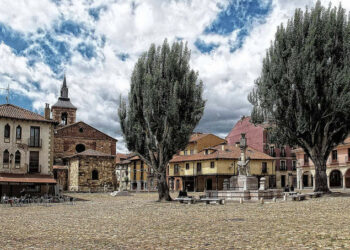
x=244 y=181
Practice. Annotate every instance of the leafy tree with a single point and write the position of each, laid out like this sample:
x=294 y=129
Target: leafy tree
x=304 y=87
x=164 y=106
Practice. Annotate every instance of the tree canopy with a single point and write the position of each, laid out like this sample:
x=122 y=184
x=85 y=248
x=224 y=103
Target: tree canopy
x=164 y=106
x=304 y=86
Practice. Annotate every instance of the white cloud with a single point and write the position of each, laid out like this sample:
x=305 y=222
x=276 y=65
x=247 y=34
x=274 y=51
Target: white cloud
x=95 y=84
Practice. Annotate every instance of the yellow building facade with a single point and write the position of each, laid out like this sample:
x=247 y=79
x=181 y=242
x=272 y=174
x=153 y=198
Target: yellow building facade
x=207 y=169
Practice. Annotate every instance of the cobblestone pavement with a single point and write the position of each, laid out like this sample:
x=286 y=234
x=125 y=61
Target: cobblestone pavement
x=134 y=222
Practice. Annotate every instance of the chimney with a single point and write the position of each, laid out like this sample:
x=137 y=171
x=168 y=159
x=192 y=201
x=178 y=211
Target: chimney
x=237 y=144
x=47 y=111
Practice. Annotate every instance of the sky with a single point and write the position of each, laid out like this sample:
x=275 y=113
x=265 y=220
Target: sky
x=96 y=44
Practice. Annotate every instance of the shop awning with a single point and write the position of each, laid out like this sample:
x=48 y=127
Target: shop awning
x=27 y=178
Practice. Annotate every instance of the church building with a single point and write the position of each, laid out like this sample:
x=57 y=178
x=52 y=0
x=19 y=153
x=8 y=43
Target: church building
x=83 y=155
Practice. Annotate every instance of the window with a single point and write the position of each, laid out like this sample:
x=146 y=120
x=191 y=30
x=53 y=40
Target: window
x=81 y=130
x=80 y=148
x=294 y=165
x=185 y=152
x=348 y=154
x=94 y=175
x=34 y=140
x=212 y=164
x=264 y=167
x=187 y=166
x=64 y=118
x=176 y=169
x=206 y=151
x=272 y=151
x=18 y=132
x=199 y=167
x=306 y=159
x=6 y=158
x=191 y=152
x=334 y=155
x=7 y=131
x=283 y=152
x=17 y=158
x=34 y=162
x=283 y=166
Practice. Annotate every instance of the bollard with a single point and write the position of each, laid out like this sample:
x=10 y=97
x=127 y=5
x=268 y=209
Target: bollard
x=285 y=197
x=261 y=200
x=241 y=200
x=274 y=199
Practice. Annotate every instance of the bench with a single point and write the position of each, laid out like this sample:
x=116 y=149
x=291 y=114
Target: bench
x=188 y=200
x=207 y=200
x=298 y=197
x=314 y=194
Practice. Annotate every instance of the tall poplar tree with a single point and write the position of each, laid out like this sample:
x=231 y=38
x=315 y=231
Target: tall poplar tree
x=304 y=87
x=164 y=106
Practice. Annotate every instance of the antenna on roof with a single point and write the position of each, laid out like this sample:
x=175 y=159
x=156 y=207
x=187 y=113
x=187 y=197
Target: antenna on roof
x=8 y=93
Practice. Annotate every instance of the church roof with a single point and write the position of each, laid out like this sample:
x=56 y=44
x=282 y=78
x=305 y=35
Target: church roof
x=15 y=112
x=63 y=100
x=91 y=152
x=64 y=103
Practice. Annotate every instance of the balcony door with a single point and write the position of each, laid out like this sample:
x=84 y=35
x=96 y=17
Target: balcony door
x=34 y=140
x=33 y=162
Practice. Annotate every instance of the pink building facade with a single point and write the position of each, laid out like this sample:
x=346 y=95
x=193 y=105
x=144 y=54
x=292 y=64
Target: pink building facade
x=258 y=138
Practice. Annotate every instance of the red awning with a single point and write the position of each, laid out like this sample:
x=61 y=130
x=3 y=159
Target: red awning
x=59 y=167
x=27 y=178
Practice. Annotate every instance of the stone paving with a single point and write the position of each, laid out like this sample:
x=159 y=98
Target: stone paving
x=138 y=222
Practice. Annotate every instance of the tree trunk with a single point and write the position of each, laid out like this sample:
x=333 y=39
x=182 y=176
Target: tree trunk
x=163 y=189
x=320 y=175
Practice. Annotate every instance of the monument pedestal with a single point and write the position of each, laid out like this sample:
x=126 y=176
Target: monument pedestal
x=243 y=183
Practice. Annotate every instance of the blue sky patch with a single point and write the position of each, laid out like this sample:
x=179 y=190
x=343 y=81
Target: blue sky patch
x=239 y=15
x=69 y=27
x=95 y=12
x=13 y=39
x=123 y=56
x=86 y=50
x=205 y=47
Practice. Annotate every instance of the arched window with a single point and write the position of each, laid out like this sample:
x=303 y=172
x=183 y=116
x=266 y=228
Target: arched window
x=17 y=158
x=18 y=132
x=6 y=157
x=80 y=148
x=7 y=131
x=64 y=118
x=94 y=175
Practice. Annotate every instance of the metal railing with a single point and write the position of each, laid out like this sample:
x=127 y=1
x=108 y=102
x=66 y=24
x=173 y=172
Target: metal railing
x=34 y=143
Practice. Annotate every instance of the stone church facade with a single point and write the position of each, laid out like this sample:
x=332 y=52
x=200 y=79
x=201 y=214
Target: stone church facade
x=83 y=155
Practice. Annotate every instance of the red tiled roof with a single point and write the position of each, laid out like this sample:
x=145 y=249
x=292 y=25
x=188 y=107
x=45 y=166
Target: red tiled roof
x=13 y=111
x=229 y=152
x=91 y=152
x=121 y=157
x=27 y=178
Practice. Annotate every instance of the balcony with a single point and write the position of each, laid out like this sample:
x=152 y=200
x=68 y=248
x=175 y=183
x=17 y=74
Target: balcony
x=34 y=143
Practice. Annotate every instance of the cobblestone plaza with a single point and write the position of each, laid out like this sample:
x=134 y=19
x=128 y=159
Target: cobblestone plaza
x=134 y=222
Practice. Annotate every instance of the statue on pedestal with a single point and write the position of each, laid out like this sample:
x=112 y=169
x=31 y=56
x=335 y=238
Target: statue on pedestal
x=243 y=167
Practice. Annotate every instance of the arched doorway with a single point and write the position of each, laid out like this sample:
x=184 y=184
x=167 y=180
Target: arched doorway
x=347 y=178
x=209 y=184
x=335 y=179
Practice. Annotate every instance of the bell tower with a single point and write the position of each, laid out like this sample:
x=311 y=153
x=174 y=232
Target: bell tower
x=63 y=111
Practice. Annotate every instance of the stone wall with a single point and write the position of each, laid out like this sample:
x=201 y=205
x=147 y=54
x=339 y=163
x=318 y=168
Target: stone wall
x=67 y=138
x=81 y=169
x=57 y=114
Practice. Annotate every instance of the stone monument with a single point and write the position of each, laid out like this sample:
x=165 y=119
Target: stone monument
x=244 y=181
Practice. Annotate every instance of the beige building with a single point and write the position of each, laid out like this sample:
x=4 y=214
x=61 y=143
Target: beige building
x=26 y=151
x=122 y=171
x=338 y=168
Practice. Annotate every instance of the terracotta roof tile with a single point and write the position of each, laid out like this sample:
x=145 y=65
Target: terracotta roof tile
x=27 y=178
x=13 y=111
x=91 y=152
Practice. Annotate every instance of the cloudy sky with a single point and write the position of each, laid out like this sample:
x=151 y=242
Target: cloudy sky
x=97 y=43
